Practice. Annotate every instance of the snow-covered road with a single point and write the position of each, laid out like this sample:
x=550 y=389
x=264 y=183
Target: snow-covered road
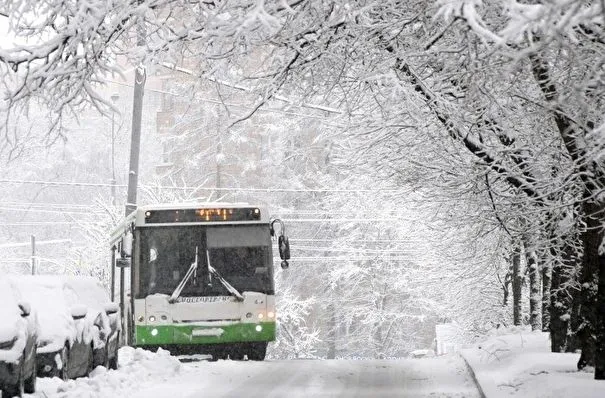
x=143 y=374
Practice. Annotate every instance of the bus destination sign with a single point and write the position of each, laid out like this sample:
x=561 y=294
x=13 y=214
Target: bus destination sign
x=202 y=215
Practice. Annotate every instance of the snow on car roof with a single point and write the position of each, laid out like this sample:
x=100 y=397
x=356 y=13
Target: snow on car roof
x=89 y=289
x=47 y=296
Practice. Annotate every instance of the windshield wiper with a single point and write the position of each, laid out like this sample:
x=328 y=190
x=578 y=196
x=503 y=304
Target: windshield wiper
x=192 y=269
x=218 y=276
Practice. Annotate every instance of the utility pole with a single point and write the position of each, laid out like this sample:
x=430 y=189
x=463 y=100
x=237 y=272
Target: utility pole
x=140 y=76
x=33 y=255
x=219 y=159
x=135 y=140
x=114 y=99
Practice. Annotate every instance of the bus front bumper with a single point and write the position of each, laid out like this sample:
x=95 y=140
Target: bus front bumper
x=150 y=335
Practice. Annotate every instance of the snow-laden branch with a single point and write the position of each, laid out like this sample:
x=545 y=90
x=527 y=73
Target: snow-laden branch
x=473 y=145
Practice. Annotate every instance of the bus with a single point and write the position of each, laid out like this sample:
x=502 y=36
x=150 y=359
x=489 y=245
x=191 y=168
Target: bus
x=200 y=278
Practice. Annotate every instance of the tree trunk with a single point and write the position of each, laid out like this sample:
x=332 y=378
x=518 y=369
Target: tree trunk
x=379 y=352
x=332 y=324
x=561 y=308
x=594 y=265
x=546 y=296
x=573 y=341
x=517 y=285
x=559 y=311
x=591 y=332
x=600 y=351
x=535 y=297
x=589 y=282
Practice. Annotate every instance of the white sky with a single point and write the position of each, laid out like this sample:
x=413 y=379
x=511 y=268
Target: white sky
x=6 y=40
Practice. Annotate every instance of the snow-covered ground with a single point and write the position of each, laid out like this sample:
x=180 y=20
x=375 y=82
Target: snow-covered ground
x=518 y=362
x=137 y=369
x=150 y=375
x=510 y=363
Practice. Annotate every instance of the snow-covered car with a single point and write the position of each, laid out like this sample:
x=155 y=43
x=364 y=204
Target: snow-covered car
x=17 y=343
x=65 y=346
x=104 y=315
x=422 y=353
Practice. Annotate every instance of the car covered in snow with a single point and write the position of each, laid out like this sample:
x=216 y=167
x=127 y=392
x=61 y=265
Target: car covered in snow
x=104 y=315
x=422 y=353
x=18 y=338
x=65 y=334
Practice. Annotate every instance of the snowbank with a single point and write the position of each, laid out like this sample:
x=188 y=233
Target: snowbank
x=137 y=369
x=518 y=362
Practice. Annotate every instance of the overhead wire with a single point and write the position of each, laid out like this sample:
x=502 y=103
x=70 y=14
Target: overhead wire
x=86 y=209
x=38 y=242
x=229 y=189
x=334 y=258
x=38 y=210
x=42 y=204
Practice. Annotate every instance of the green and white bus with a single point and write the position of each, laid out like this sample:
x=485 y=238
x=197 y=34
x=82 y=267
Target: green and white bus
x=200 y=278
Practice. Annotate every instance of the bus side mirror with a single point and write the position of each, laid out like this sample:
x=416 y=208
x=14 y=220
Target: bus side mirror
x=284 y=247
x=126 y=245
x=284 y=250
x=282 y=242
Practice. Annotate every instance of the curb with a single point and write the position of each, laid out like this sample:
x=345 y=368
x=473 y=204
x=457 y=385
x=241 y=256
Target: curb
x=474 y=376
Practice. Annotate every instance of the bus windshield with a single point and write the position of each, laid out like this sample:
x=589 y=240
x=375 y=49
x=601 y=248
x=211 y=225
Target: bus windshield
x=241 y=254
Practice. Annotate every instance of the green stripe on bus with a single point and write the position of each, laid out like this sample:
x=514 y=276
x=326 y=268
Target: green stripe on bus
x=184 y=334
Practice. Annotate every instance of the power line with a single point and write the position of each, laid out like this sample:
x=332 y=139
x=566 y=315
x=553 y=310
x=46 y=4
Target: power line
x=93 y=211
x=29 y=206
x=28 y=260
x=37 y=210
x=336 y=212
x=301 y=220
x=38 y=242
x=33 y=223
x=40 y=204
x=320 y=220
x=267 y=190
x=356 y=240
x=352 y=250
x=334 y=258
x=62 y=183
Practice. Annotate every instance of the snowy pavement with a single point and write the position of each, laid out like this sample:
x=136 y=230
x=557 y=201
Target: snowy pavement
x=511 y=363
x=143 y=374
x=518 y=363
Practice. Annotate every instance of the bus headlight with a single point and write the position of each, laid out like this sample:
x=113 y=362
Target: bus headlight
x=270 y=315
x=249 y=315
x=261 y=315
x=259 y=328
x=154 y=332
x=152 y=318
